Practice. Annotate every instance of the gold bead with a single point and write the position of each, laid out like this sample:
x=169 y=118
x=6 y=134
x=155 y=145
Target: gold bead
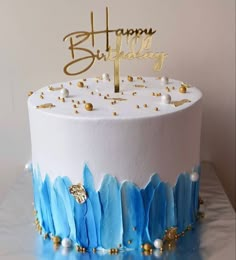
x=80 y=84
x=56 y=239
x=88 y=106
x=147 y=247
x=130 y=78
x=182 y=89
x=30 y=93
x=77 y=248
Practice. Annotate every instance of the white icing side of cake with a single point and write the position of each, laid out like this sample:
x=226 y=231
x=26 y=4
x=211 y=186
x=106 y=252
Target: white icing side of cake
x=131 y=146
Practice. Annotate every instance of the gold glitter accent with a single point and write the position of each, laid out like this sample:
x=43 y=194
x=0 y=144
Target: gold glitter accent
x=47 y=105
x=158 y=94
x=114 y=114
x=113 y=251
x=76 y=111
x=92 y=93
x=167 y=89
x=185 y=85
x=145 y=105
x=30 y=93
x=63 y=99
x=182 y=89
x=50 y=88
x=105 y=97
x=130 y=78
x=41 y=96
x=108 y=95
x=78 y=102
x=180 y=102
x=156 y=108
x=200 y=200
x=139 y=78
x=78 y=192
x=170 y=234
x=74 y=106
x=137 y=106
x=72 y=101
x=134 y=93
x=84 y=102
x=88 y=106
x=80 y=84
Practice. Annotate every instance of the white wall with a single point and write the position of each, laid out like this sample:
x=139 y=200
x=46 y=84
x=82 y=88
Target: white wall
x=199 y=37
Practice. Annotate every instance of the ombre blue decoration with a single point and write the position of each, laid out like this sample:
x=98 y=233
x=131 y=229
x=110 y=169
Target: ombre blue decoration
x=117 y=215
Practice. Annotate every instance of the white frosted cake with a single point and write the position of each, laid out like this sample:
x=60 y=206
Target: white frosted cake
x=115 y=170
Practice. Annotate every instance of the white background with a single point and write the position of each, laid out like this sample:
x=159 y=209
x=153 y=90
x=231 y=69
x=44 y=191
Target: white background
x=198 y=35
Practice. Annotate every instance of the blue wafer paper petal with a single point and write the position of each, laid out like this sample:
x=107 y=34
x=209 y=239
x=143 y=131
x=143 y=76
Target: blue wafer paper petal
x=80 y=211
x=45 y=200
x=63 y=228
x=111 y=218
x=147 y=194
x=132 y=214
x=94 y=199
x=170 y=207
x=157 y=214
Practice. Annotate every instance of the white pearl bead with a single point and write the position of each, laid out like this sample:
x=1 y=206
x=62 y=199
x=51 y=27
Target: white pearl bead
x=164 y=80
x=194 y=176
x=166 y=99
x=28 y=166
x=158 y=243
x=66 y=242
x=64 y=93
x=105 y=76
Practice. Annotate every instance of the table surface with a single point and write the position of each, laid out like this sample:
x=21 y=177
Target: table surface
x=212 y=238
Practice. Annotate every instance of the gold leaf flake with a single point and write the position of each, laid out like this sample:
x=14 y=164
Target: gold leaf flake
x=117 y=99
x=180 y=102
x=47 y=105
x=78 y=192
x=50 y=88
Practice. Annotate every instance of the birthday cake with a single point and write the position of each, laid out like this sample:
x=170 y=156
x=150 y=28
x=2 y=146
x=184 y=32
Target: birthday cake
x=115 y=171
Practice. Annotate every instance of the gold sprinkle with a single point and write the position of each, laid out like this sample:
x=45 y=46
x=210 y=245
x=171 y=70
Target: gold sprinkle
x=76 y=111
x=116 y=99
x=158 y=94
x=80 y=84
x=156 y=108
x=92 y=93
x=122 y=93
x=145 y=105
x=72 y=101
x=180 y=102
x=77 y=248
x=78 y=102
x=45 y=236
x=114 y=114
x=47 y=105
x=99 y=94
x=58 y=98
x=30 y=93
x=153 y=94
x=84 y=101
x=122 y=80
x=75 y=106
x=63 y=99
x=108 y=95
x=167 y=89
x=139 y=86
x=41 y=96
x=137 y=106
x=87 y=87
x=173 y=87
x=62 y=85
x=88 y=106
x=130 y=78
x=56 y=240
x=134 y=93
x=139 y=78
x=84 y=79
x=70 y=83
x=144 y=81
x=42 y=93
x=112 y=102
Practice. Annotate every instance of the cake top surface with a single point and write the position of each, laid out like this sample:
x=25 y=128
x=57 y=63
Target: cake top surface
x=138 y=97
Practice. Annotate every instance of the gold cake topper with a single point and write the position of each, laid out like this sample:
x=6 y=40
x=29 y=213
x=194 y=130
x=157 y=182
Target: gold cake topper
x=139 y=42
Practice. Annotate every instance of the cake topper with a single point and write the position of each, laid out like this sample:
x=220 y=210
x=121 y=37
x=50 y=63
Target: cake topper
x=139 y=42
